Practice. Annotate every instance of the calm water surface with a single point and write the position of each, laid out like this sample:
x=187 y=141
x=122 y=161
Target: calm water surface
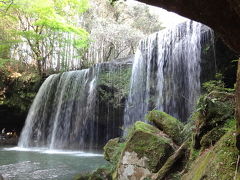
x=30 y=164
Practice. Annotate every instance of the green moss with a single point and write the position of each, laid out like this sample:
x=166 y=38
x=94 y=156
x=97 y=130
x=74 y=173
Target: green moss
x=230 y=124
x=146 y=142
x=139 y=125
x=219 y=162
x=168 y=124
x=172 y=164
x=112 y=150
x=109 y=148
x=212 y=137
x=193 y=154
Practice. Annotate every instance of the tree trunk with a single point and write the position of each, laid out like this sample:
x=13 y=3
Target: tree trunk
x=238 y=106
x=39 y=66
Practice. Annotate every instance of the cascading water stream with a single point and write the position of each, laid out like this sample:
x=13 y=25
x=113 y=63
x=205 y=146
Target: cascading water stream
x=166 y=73
x=67 y=112
x=50 y=122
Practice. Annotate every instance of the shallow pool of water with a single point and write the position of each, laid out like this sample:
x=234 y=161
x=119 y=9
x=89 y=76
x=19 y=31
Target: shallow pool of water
x=30 y=164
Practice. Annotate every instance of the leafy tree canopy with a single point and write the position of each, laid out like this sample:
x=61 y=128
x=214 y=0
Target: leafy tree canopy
x=38 y=21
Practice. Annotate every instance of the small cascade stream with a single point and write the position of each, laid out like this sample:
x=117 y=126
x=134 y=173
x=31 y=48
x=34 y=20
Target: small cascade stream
x=166 y=73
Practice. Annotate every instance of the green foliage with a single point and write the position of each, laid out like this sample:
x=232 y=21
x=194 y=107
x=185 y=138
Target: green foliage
x=43 y=23
x=3 y=62
x=18 y=87
x=118 y=81
x=213 y=117
x=230 y=124
x=193 y=154
x=216 y=93
x=188 y=129
x=21 y=92
x=216 y=105
x=216 y=85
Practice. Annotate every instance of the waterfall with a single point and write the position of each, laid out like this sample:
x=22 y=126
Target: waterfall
x=166 y=73
x=71 y=109
x=84 y=109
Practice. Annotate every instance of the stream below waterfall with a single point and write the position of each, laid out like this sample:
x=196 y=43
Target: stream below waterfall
x=29 y=164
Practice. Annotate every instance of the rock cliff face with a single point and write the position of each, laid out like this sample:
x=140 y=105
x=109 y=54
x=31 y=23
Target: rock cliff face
x=223 y=16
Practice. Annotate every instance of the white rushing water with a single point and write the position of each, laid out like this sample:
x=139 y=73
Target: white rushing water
x=67 y=112
x=50 y=151
x=50 y=122
x=166 y=73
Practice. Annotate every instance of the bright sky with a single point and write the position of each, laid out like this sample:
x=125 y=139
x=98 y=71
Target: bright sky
x=167 y=18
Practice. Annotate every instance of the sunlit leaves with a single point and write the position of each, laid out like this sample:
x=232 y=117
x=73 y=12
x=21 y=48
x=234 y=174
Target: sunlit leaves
x=53 y=15
x=44 y=24
x=70 y=7
x=5 y=5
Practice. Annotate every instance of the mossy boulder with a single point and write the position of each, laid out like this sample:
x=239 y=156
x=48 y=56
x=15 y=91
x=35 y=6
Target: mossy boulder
x=213 y=110
x=109 y=148
x=168 y=124
x=112 y=150
x=212 y=137
x=146 y=150
x=172 y=165
x=218 y=162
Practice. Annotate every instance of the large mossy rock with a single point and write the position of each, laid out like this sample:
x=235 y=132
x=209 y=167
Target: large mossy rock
x=112 y=150
x=172 y=164
x=146 y=150
x=168 y=124
x=218 y=162
x=214 y=111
